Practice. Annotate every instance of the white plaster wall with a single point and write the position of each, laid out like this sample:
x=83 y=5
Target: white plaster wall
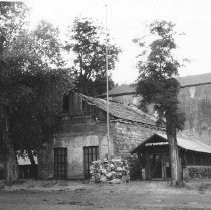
x=74 y=145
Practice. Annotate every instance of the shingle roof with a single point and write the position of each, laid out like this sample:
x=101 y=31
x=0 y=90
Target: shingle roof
x=121 y=111
x=192 y=145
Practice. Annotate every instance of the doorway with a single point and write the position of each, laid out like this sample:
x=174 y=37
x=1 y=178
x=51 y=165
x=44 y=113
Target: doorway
x=90 y=154
x=159 y=166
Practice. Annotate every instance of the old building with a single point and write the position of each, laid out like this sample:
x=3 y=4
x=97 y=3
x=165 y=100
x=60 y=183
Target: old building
x=81 y=137
x=154 y=157
x=195 y=98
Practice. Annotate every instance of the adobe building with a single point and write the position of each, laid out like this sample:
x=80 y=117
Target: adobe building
x=81 y=137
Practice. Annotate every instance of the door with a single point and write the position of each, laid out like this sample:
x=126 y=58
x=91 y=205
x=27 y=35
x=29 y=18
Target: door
x=90 y=154
x=60 y=163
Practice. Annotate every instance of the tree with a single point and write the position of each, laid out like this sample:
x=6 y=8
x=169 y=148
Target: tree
x=11 y=23
x=31 y=90
x=158 y=86
x=85 y=42
x=47 y=44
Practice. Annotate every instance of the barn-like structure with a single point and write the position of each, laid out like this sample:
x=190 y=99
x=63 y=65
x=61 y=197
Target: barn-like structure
x=153 y=154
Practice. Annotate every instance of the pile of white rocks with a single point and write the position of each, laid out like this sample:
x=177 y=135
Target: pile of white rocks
x=115 y=170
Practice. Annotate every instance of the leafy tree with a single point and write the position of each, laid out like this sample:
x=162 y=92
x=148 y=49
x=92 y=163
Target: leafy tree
x=11 y=23
x=85 y=42
x=47 y=45
x=158 y=86
x=31 y=91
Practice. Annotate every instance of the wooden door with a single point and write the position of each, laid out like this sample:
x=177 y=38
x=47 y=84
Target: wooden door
x=60 y=163
x=90 y=154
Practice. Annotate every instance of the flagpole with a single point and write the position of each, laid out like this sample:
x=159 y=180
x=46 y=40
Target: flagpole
x=107 y=94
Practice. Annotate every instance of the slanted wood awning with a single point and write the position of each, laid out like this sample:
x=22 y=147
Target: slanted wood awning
x=185 y=144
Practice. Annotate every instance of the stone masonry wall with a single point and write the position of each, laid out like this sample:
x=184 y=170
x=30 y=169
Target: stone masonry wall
x=127 y=136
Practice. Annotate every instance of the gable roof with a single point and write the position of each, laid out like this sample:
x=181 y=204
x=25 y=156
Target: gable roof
x=121 y=111
x=191 y=145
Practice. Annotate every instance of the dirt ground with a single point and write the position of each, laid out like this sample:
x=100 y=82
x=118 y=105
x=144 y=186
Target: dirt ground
x=63 y=195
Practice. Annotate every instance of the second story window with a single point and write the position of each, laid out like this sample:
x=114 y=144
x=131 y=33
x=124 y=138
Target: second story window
x=66 y=104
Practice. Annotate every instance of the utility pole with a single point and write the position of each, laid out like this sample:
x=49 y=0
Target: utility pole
x=107 y=95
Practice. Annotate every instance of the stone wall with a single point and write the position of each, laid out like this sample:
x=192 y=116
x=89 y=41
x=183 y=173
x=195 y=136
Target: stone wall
x=127 y=136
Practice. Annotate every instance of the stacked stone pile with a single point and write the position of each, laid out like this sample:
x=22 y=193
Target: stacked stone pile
x=115 y=170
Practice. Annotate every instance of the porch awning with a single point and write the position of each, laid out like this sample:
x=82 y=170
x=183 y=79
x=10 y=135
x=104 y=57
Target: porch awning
x=192 y=145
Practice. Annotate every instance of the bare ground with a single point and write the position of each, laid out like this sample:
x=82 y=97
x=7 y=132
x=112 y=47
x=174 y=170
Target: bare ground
x=33 y=195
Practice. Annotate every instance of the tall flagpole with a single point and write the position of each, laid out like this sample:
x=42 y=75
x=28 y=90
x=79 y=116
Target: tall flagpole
x=107 y=95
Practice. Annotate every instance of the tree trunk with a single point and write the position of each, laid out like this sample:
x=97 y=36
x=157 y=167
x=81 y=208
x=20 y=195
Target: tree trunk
x=11 y=165
x=11 y=160
x=176 y=169
x=176 y=166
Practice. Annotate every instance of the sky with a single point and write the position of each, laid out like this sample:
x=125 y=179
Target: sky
x=127 y=20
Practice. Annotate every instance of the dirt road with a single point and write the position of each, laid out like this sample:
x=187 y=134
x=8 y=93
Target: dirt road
x=76 y=195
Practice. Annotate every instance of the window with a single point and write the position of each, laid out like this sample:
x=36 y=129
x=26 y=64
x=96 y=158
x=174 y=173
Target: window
x=66 y=104
x=60 y=163
x=90 y=154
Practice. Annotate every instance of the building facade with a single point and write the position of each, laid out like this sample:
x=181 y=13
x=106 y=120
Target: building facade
x=81 y=137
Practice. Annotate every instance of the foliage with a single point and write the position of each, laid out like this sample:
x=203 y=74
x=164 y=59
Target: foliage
x=31 y=88
x=158 y=86
x=90 y=56
x=47 y=44
x=13 y=21
x=156 y=82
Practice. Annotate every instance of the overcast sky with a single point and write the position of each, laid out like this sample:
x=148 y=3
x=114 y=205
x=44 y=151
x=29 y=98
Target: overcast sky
x=127 y=20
